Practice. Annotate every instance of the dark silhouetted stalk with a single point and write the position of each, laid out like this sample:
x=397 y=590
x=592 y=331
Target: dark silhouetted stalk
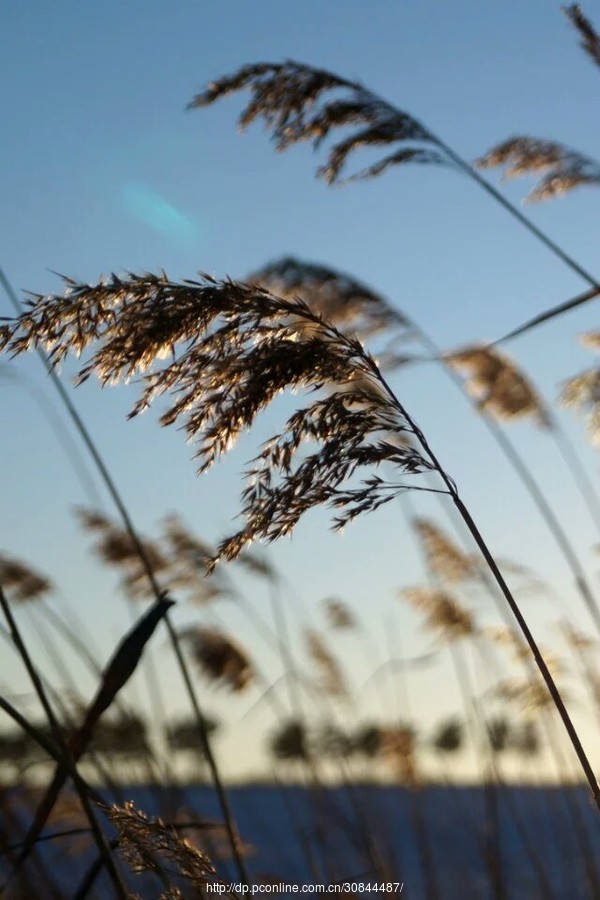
x=105 y=853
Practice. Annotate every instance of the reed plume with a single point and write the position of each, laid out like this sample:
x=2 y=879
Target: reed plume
x=115 y=547
x=443 y=613
x=590 y=39
x=148 y=845
x=188 y=559
x=220 y=658
x=339 y=615
x=289 y=97
x=445 y=560
x=582 y=392
x=21 y=581
x=562 y=168
x=330 y=674
x=240 y=349
x=336 y=296
x=499 y=387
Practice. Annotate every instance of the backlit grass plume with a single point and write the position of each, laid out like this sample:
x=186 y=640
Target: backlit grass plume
x=561 y=168
x=148 y=845
x=582 y=392
x=290 y=98
x=223 y=351
x=229 y=349
x=498 y=385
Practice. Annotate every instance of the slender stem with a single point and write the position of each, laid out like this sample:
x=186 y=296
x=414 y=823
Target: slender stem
x=518 y=215
x=544 y=671
x=498 y=577
x=572 y=461
x=550 y=519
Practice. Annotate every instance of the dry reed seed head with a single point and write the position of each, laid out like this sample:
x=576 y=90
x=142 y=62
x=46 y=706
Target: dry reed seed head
x=564 y=168
x=591 y=339
x=498 y=385
x=189 y=557
x=220 y=658
x=520 y=651
x=582 y=392
x=148 y=845
x=331 y=677
x=398 y=747
x=444 y=559
x=339 y=615
x=337 y=297
x=590 y=39
x=577 y=640
x=443 y=613
x=21 y=582
x=233 y=352
x=531 y=696
x=115 y=547
x=289 y=97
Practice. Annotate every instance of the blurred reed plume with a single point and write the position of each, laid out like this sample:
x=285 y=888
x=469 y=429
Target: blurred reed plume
x=115 y=547
x=220 y=658
x=582 y=392
x=398 y=747
x=444 y=559
x=148 y=845
x=498 y=385
x=337 y=297
x=289 y=98
x=590 y=39
x=529 y=693
x=339 y=615
x=188 y=559
x=443 y=613
x=511 y=641
x=331 y=677
x=562 y=169
x=21 y=581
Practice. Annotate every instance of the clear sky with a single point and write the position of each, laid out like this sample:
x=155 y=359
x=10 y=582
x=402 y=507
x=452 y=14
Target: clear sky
x=102 y=170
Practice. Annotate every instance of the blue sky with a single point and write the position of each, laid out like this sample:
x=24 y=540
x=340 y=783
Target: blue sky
x=103 y=170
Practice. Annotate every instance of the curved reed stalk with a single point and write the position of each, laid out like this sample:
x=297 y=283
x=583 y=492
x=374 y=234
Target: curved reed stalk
x=66 y=442
x=240 y=346
x=127 y=520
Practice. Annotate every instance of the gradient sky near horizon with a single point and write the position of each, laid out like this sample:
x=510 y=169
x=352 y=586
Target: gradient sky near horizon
x=103 y=170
